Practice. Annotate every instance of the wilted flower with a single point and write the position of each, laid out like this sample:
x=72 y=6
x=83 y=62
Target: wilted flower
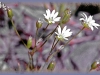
x=51 y=17
x=88 y=21
x=64 y=34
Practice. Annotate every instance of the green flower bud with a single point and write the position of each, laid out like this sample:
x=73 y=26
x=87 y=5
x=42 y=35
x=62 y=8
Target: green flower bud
x=29 y=42
x=39 y=23
x=51 y=66
x=61 y=9
x=10 y=13
x=66 y=17
x=94 y=65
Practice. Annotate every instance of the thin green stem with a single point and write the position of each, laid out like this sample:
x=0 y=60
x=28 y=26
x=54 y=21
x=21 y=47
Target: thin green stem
x=52 y=32
x=52 y=45
x=17 y=32
x=44 y=30
x=50 y=55
x=48 y=36
x=46 y=27
x=30 y=61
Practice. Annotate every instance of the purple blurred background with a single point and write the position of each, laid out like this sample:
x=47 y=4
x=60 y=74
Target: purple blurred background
x=77 y=56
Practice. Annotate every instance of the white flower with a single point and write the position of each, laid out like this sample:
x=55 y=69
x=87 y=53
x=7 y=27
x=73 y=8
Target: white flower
x=88 y=21
x=51 y=17
x=64 y=34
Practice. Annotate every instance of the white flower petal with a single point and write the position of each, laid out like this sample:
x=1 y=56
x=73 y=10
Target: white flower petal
x=59 y=30
x=91 y=28
x=66 y=38
x=93 y=21
x=48 y=12
x=68 y=34
x=46 y=16
x=64 y=29
x=55 y=15
x=81 y=19
x=90 y=18
x=56 y=33
x=84 y=16
x=95 y=24
x=57 y=19
x=52 y=14
x=67 y=30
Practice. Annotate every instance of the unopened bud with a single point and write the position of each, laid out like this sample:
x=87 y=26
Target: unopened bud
x=29 y=42
x=39 y=23
x=61 y=9
x=94 y=65
x=66 y=17
x=10 y=13
x=51 y=66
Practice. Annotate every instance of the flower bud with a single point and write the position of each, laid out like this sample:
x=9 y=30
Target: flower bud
x=51 y=66
x=29 y=42
x=39 y=23
x=66 y=17
x=10 y=13
x=94 y=64
x=61 y=9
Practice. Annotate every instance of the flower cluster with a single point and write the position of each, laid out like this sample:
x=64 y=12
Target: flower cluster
x=51 y=17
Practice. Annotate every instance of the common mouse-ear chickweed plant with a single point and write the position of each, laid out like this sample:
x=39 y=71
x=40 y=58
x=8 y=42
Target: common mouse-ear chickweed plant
x=61 y=32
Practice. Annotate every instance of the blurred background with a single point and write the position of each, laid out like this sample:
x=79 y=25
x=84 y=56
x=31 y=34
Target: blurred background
x=78 y=55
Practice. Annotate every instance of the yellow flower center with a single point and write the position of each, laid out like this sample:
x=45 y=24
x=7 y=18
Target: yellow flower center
x=86 y=25
x=50 y=20
x=60 y=37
